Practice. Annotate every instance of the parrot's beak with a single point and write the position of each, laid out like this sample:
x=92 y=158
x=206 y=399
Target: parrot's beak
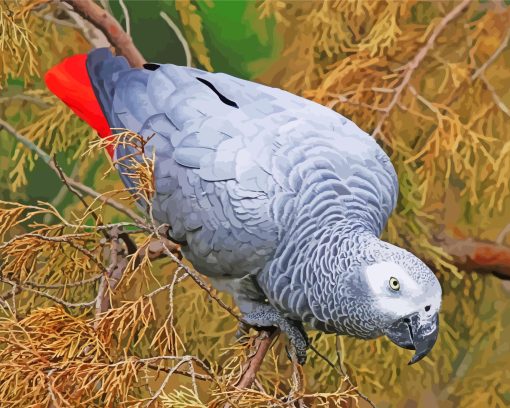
x=415 y=332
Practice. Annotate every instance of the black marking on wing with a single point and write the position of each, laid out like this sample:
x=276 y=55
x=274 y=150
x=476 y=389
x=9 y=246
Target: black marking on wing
x=223 y=98
x=150 y=66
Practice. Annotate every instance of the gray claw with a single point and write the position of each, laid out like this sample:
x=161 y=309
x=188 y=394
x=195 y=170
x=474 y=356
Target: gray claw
x=267 y=315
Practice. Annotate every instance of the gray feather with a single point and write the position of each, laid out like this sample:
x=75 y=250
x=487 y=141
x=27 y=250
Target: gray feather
x=274 y=186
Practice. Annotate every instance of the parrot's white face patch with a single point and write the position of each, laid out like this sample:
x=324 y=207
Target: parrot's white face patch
x=397 y=293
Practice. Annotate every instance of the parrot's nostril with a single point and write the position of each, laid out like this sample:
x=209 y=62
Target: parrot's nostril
x=427 y=308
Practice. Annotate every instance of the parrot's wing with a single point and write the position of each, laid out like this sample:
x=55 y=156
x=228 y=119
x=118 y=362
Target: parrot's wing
x=268 y=118
x=209 y=187
x=224 y=146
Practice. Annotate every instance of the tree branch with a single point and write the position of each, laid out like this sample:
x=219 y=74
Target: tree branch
x=199 y=281
x=109 y=281
x=481 y=256
x=46 y=295
x=493 y=57
x=72 y=183
x=262 y=345
x=100 y=18
x=186 y=359
x=416 y=61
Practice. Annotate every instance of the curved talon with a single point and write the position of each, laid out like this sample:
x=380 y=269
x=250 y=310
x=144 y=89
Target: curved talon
x=267 y=315
x=299 y=357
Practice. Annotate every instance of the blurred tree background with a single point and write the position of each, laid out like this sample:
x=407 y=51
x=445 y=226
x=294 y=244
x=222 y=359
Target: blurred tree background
x=431 y=82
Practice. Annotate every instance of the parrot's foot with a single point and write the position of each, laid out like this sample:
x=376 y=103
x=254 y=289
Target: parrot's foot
x=267 y=315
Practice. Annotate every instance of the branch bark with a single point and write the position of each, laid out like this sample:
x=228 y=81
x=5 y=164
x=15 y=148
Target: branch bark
x=109 y=281
x=101 y=19
x=262 y=344
x=479 y=256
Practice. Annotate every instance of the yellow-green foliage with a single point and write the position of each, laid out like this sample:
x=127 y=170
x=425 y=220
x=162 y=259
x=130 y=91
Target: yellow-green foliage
x=445 y=123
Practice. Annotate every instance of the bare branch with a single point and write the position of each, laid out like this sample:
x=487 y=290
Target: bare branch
x=497 y=100
x=186 y=359
x=179 y=35
x=92 y=34
x=418 y=58
x=493 y=57
x=46 y=295
x=262 y=345
x=98 y=16
x=112 y=277
x=25 y=141
x=480 y=256
x=126 y=16
x=73 y=183
x=26 y=98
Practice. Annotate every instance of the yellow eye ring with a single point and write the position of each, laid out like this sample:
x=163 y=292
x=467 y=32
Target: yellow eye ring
x=394 y=283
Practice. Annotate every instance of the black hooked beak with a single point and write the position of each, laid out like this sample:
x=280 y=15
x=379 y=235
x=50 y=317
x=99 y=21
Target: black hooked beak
x=415 y=332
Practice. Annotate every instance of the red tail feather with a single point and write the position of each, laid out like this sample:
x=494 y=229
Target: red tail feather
x=70 y=81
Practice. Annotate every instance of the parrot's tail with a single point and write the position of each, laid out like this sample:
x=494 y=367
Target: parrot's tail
x=70 y=81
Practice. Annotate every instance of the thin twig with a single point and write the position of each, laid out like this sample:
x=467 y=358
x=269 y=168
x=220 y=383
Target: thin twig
x=493 y=57
x=186 y=359
x=60 y=239
x=416 y=61
x=62 y=176
x=201 y=377
x=27 y=98
x=47 y=295
x=327 y=360
x=126 y=16
x=107 y=200
x=497 y=100
x=198 y=280
x=347 y=378
x=92 y=279
x=73 y=183
x=179 y=35
x=61 y=195
x=502 y=234
x=131 y=246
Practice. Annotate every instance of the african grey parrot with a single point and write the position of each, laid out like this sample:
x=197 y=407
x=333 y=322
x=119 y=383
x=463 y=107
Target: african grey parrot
x=280 y=201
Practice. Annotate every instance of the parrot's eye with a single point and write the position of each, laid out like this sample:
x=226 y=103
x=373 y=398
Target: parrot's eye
x=394 y=283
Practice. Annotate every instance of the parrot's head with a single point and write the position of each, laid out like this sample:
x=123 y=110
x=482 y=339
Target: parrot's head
x=407 y=297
